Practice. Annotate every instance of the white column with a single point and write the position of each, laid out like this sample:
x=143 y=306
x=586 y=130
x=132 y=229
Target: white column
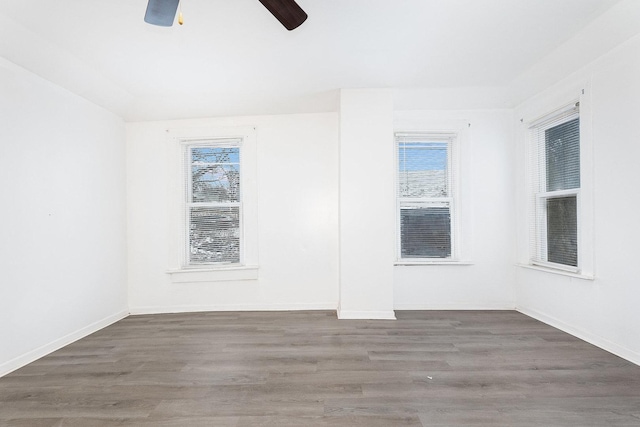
x=367 y=204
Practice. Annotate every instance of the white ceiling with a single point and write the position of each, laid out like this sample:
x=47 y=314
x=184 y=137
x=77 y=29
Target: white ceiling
x=231 y=57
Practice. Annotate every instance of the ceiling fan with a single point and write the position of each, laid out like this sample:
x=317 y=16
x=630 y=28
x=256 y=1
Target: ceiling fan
x=163 y=12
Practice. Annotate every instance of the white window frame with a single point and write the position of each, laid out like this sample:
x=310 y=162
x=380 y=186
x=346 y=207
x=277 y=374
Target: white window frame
x=188 y=205
x=538 y=111
x=541 y=231
x=452 y=139
x=539 y=252
x=179 y=269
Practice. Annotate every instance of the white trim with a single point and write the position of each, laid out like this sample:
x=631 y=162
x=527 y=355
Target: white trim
x=555 y=266
x=407 y=262
x=596 y=340
x=221 y=274
x=321 y=306
x=556 y=270
x=366 y=315
x=216 y=140
x=545 y=121
x=418 y=135
x=501 y=306
x=558 y=193
x=57 y=344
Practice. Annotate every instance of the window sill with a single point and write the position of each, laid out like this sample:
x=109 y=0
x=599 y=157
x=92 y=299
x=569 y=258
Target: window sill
x=557 y=271
x=212 y=274
x=441 y=262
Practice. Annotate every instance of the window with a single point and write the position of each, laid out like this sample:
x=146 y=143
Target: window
x=555 y=160
x=426 y=197
x=214 y=203
x=212 y=220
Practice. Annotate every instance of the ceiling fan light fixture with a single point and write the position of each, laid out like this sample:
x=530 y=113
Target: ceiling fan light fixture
x=161 y=12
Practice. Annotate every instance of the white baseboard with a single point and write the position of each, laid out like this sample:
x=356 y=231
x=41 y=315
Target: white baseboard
x=455 y=306
x=366 y=315
x=49 y=348
x=596 y=340
x=231 y=307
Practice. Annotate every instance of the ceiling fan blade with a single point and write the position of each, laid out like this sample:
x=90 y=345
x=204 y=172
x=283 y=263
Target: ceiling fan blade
x=287 y=12
x=161 y=12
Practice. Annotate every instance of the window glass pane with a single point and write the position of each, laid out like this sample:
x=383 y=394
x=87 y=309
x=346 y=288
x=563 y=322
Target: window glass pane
x=425 y=232
x=208 y=155
x=562 y=230
x=215 y=183
x=422 y=169
x=562 y=153
x=214 y=234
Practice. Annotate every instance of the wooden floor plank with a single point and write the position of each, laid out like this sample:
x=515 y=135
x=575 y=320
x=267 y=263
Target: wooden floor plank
x=428 y=368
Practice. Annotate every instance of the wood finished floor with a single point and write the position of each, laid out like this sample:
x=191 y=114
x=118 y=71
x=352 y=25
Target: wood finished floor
x=428 y=368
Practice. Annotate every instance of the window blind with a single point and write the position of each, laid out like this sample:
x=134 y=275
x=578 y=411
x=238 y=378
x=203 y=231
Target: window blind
x=213 y=202
x=555 y=153
x=425 y=199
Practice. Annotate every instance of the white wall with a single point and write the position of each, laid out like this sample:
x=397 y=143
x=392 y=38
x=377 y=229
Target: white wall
x=62 y=183
x=603 y=311
x=300 y=251
x=486 y=215
x=367 y=217
x=297 y=168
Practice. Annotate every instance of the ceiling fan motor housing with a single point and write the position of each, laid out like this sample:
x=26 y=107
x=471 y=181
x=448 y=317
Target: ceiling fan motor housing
x=161 y=12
